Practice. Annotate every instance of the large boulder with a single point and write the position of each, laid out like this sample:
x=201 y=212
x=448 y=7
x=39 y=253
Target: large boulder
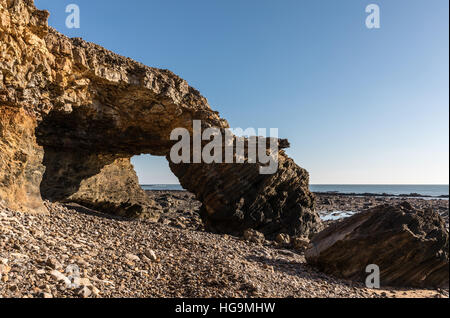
x=79 y=112
x=237 y=197
x=409 y=246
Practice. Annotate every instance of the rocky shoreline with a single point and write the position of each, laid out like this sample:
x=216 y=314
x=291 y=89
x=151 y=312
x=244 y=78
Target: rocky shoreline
x=334 y=204
x=175 y=257
x=180 y=206
x=73 y=114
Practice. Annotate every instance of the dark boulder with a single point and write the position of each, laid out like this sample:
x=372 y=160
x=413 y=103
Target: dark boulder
x=409 y=246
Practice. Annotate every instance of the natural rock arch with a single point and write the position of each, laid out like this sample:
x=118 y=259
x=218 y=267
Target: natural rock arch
x=79 y=113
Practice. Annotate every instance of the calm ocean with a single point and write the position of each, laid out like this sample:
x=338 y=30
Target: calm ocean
x=425 y=190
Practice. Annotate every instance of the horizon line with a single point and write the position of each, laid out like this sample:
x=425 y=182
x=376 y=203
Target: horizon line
x=355 y=184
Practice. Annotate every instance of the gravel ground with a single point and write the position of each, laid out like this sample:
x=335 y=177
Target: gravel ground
x=77 y=252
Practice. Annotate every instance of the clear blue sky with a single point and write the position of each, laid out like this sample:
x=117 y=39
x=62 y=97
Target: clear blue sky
x=358 y=105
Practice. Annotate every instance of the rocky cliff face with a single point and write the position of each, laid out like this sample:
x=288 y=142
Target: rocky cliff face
x=72 y=114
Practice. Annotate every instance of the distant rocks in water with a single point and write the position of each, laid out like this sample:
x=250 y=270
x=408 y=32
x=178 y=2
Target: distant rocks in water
x=384 y=194
x=330 y=204
x=410 y=247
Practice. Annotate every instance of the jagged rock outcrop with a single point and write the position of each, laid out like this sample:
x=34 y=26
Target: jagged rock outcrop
x=236 y=197
x=410 y=247
x=21 y=167
x=79 y=113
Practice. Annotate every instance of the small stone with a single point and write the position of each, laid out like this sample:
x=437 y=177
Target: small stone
x=132 y=257
x=4 y=269
x=45 y=295
x=179 y=224
x=60 y=277
x=268 y=267
x=254 y=236
x=151 y=255
x=84 y=282
x=164 y=221
x=300 y=243
x=84 y=292
x=95 y=291
x=54 y=263
x=283 y=239
x=19 y=256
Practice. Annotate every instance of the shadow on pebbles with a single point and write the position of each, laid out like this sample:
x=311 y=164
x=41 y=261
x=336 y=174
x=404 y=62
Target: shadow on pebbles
x=77 y=252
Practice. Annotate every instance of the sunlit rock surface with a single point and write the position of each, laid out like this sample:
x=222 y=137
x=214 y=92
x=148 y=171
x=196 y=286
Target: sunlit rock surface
x=73 y=114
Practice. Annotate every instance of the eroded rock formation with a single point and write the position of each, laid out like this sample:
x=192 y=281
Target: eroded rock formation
x=73 y=114
x=410 y=247
x=236 y=197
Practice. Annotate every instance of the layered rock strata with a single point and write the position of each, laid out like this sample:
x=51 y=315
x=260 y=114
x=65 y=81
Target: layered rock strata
x=410 y=247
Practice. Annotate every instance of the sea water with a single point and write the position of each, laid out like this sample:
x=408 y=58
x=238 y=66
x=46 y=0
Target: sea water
x=423 y=190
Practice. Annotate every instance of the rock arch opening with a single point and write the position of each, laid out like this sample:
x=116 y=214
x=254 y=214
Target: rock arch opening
x=154 y=171
x=74 y=113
